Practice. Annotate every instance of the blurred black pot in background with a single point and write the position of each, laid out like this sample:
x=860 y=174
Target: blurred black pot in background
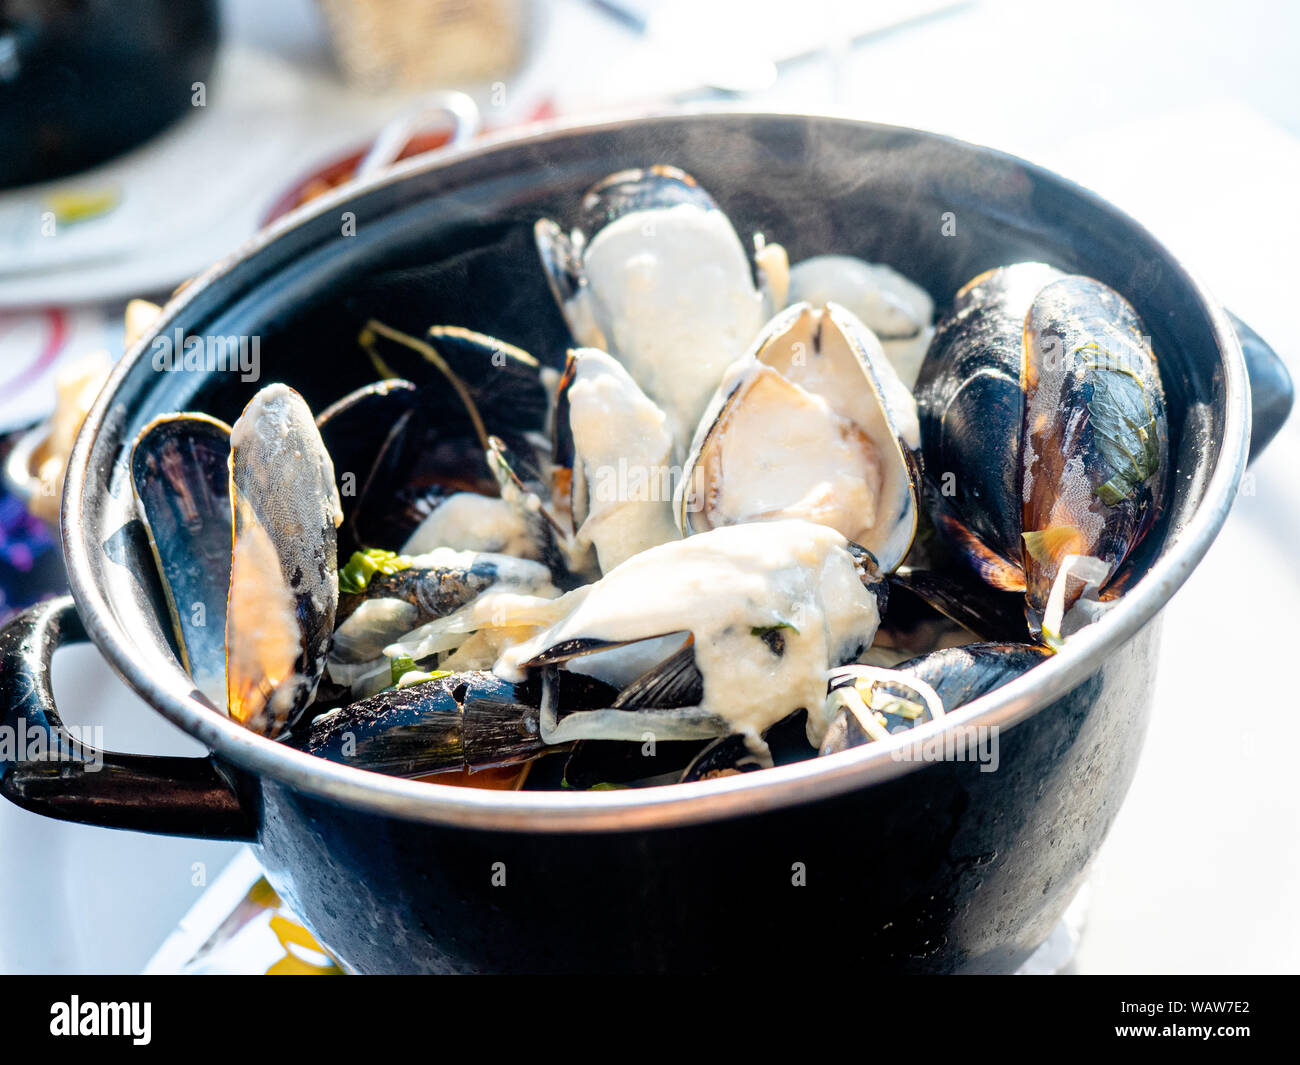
x=84 y=80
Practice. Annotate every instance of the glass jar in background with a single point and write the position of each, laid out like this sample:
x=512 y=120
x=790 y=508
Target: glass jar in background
x=413 y=44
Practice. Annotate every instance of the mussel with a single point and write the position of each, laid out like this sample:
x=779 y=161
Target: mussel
x=490 y=386
x=866 y=704
x=181 y=476
x=1044 y=434
x=898 y=311
x=243 y=522
x=284 y=567
x=388 y=598
x=781 y=744
x=655 y=274
x=435 y=583
x=471 y=720
x=725 y=632
x=415 y=454
x=614 y=460
x=813 y=423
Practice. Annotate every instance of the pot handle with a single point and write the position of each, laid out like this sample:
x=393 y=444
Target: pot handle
x=69 y=780
x=457 y=109
x=1271 y=390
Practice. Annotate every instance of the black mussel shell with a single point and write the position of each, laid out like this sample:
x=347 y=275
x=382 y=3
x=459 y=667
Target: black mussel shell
x=470 y=720
x=787 y=741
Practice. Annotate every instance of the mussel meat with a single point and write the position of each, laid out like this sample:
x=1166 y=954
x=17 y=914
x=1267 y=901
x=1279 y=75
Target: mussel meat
x=813 y=423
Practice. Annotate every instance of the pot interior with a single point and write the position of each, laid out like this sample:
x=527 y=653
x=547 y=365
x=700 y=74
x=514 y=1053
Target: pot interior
x=452 y=244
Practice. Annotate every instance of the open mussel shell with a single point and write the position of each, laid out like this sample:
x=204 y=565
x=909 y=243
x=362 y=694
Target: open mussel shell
x=613 y=460
x=397 y=465
x=521 y=483
x=898 y=311
x=844 y=455
x=658 y=703
x=653 y=686
x=357 y=431
x=283 y=573
x=181 y=479
x=1095 y=459
x=953 y=676
x=561 y=256
x=959 y=675
x=783 y=743
x=656 y=275
x=445 y=580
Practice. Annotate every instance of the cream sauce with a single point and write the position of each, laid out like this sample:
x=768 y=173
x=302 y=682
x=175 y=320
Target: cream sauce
x=672 y=293
x=897 y=310
x=466 y=521
x=722 y=586
x=622 y=442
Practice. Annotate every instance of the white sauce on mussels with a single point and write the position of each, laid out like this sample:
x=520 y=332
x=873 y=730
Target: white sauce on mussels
x=672 y=293
x=623 y=466
x=466 y=521
x=897 y=310
x=729 y=587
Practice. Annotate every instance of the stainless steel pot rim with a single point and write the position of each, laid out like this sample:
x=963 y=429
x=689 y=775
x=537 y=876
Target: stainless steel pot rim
x=677 y=804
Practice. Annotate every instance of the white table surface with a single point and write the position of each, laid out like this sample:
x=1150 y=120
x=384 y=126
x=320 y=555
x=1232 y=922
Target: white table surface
x=1188 y=116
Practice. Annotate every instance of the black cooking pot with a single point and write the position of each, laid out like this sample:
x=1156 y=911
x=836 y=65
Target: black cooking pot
x=862 y=857
x=82 y=81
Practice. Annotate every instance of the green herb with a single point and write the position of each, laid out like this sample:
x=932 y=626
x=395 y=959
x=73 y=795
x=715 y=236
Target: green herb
x=413 y=677
x=763 y=630
x=354 y=578
x=399 y=665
